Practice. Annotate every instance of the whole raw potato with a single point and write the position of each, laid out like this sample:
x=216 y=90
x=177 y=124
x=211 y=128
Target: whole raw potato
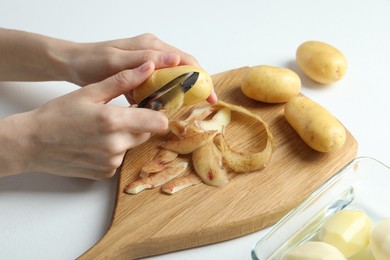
x=380 y=240
x=199 y=92
x=321 y=62
x=314 y=124
x=271 y=84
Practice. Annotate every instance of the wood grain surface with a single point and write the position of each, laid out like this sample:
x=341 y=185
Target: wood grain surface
x=152 y=222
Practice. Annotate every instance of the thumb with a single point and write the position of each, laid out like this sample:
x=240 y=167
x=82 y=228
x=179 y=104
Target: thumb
x=118 y=84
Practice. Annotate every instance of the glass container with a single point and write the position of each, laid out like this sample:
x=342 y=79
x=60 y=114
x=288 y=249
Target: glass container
x=362 y=184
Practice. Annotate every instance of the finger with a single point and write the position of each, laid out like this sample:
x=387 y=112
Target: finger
x=130 y=98
x=121 y=83
x=137 y=139
x=212 y=99
x=132 y=59
x=185 y=58
x=150 y=41
x=138 y=120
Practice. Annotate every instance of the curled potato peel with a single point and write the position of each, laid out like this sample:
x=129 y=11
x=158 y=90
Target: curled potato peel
x=190 y=143
x=244 y=162
x=183 y=129
x=200 y=113
x=218 y=121
x=240 y=161
x=212 y=156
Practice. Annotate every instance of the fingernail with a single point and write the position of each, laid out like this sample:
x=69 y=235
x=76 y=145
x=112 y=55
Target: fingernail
x=212 y=99
x=144 y=67
x=170 y=59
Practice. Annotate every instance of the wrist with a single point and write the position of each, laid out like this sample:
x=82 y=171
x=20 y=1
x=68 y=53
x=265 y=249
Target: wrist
x=33 y=57
x=61 y=55
x=16 y=147
x=76 y=56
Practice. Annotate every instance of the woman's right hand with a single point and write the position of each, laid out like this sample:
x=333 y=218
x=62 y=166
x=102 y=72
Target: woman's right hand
x=80 y=135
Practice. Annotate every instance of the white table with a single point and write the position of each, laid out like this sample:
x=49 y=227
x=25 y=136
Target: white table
x=49 y=217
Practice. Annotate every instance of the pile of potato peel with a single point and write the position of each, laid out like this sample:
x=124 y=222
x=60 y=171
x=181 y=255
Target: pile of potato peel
x=201 y=136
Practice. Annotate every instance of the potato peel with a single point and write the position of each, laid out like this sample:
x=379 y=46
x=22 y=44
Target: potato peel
x=183 y=129
x=190 y=143
x=172 y=170
x=211 y=154
x=207 y=162
x=180 y=183
x=159 y=162
x=200 y=113
x=245 y=162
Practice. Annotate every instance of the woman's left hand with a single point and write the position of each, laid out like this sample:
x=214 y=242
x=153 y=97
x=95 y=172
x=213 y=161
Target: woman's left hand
x=93 y=62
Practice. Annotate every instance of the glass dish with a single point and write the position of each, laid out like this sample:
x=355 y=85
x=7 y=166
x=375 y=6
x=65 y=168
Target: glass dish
x=361 y=184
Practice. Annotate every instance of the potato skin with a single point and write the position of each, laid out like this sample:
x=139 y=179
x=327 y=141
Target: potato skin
x=321 y=62
x=199 y=92
x=314 y=124
x=270 y=84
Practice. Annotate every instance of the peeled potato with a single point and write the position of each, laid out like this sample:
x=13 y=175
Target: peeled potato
x=365 y=254
x=380 y=240
x=321 y=62
x=347 y=230
x=317 y=127
x=199 y=92
x=314 y=250
x=271 y=84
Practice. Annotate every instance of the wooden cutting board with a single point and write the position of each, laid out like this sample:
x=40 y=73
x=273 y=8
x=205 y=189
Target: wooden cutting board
x=152 y=222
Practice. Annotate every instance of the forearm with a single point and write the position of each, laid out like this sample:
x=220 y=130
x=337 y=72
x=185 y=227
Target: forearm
x=32 y=57
x=15 y=144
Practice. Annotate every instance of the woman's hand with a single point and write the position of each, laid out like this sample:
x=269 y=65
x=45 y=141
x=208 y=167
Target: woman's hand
x=33 y=57
x=80 y=135
x=92 y=62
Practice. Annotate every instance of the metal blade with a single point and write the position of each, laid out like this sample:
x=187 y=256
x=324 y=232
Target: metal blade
x=169 y=92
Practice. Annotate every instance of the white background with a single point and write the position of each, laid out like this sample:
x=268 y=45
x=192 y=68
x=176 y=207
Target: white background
x=49 y=217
